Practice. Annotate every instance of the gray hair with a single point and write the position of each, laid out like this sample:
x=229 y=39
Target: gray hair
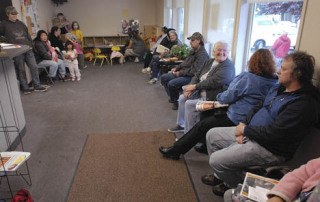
x=223 y=43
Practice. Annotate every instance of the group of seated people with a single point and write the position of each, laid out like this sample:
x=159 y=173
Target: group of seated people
x=268 y=115
x=46 y=51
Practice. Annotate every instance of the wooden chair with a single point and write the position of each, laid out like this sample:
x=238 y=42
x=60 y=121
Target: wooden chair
x=98 y=55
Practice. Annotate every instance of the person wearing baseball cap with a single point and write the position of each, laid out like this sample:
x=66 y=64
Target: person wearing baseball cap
x=16 y=32
x=182 y=74
x=196 y=36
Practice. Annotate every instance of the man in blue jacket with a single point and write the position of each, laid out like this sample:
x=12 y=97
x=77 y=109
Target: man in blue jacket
x=272 y=132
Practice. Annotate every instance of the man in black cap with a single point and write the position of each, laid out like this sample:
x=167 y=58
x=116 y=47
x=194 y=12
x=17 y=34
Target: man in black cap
x=16 y=32
x=181 y=74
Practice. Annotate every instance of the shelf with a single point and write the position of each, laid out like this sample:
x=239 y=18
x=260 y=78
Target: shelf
x=104 y=41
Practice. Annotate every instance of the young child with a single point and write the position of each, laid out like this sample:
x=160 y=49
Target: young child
x=77 y=46
x=70 y=54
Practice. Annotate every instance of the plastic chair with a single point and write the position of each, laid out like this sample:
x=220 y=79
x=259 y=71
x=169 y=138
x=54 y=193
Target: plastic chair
x=98 y=55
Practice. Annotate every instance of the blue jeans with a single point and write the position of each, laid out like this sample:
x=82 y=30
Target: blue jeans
x=187 y=116
x=155 y=66
x=53 y=67
x=228 y=159
x=27 y=57
x=173 y=84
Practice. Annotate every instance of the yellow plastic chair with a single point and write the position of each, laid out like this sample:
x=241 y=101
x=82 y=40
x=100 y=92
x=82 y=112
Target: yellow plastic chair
x=98 y=55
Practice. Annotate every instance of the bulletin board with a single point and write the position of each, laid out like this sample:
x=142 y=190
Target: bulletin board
x=29 y=15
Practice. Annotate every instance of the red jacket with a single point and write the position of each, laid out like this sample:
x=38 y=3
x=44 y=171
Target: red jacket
x=281 y=46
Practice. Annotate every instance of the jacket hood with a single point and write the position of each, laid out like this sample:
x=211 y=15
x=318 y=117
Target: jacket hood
x=284 y=38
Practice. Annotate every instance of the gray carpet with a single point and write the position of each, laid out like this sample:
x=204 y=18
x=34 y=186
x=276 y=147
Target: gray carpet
x=108 y=99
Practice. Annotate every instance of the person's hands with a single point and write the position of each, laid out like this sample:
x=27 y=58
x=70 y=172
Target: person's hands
x=275 y=199
x=187 y=94
x=176 y=73
x=239 y=133
x=190 y=87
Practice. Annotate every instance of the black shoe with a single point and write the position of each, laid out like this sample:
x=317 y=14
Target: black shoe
x=201 y=148
x=220 y=189
x=176 y=129
x=40 y=89
x=169 y=152
x=171 y=101
x=211 y=180
x=175 y=106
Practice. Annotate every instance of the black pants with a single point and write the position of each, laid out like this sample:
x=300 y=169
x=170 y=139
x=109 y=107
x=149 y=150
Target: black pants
x=147 y=59
x=198 y=132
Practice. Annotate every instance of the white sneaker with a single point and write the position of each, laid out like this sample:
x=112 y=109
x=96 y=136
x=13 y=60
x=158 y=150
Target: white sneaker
x=136 y=60
x=148 y=69
x=153 y=81
x=78 y=78
x=144 y=70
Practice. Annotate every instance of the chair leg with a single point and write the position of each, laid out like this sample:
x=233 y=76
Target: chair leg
x=94 y=61
x=102 y=62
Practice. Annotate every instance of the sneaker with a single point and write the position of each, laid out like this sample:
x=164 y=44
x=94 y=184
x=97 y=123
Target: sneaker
x=85 y=66
x=144 y=70
x=73 y=79
x=78 y=79
x=40 y=89
x=136 y=60
x=176 y=129
x=153 y=81
x=27 y=91
x=148 y=69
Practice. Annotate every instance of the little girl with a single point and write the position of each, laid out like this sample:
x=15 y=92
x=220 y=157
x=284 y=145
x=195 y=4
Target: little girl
x=70 y=55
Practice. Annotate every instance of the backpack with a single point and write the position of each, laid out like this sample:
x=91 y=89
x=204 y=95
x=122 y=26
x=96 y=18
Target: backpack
x=22 y=195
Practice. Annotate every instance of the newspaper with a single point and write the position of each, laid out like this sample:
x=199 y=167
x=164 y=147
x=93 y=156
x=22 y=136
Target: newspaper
x=162 y=49
x=11 y=161
x=256 y=187
x=208 y=105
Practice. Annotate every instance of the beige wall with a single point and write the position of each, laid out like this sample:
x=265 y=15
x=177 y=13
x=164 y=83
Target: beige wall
x=310 y=40
x=45 y=12
x=103 y=17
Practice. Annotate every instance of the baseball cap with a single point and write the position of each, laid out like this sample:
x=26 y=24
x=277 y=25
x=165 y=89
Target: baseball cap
x=196 y=35
x=11 y=10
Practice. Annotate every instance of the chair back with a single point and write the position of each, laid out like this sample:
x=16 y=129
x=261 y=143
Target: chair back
x=97 y=51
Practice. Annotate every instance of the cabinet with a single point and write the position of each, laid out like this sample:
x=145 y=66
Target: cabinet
x=104 y=41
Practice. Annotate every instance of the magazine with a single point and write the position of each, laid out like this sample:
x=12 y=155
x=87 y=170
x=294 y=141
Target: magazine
x=256 y=187
x=162 y=49
x=11 y=161
x=207 y=105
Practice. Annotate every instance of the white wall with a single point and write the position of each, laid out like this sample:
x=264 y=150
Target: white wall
x=45 y=12
x=310 y=40
x=194 y=17
x=103 y=17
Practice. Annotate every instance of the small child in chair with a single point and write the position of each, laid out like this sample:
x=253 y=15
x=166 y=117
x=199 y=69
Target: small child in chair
x=70 y=54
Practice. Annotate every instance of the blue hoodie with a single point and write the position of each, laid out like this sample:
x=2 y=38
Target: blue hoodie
x=244 y=92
